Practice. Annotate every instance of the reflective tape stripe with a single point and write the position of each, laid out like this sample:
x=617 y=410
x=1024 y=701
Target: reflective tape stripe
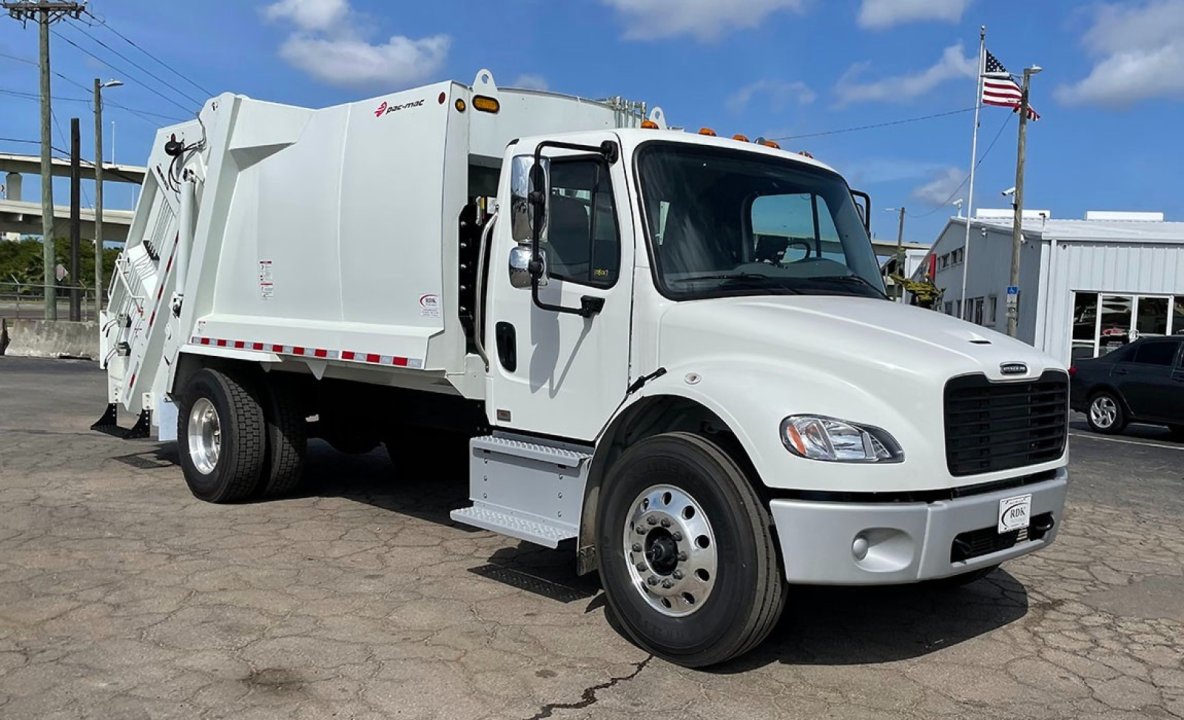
x=319 y=353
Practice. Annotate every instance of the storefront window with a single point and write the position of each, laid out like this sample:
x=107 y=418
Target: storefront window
x=1152 y=316
x=1178 y=316
x=1116 y=322
x=1085 y=316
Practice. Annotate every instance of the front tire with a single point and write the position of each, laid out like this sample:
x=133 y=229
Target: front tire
x=1105 y=414
x=221 y=436
x=686 y=551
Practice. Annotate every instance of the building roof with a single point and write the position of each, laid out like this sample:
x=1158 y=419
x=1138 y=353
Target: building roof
x=1089 y=230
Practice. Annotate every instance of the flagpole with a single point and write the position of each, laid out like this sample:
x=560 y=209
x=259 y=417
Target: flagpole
x=978 y=104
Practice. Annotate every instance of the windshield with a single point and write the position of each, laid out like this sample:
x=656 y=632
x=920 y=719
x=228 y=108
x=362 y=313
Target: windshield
x=728 y=223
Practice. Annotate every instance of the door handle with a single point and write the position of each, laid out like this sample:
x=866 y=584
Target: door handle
x=507 y=345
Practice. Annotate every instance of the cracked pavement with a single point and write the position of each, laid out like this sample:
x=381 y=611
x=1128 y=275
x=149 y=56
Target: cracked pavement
x=121 y=596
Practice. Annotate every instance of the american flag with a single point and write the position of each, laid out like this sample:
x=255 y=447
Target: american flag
x=1002 y=90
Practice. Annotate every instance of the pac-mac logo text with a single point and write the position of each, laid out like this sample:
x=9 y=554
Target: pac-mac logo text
x=1013 y=368
x=385 y=108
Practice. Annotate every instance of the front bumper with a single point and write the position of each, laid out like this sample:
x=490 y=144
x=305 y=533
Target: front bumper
x=909 y=542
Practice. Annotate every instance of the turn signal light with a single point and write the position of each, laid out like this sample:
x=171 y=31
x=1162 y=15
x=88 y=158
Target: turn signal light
x=484 y=103
x=740 y=138
x=707 y=131
x=649 y=125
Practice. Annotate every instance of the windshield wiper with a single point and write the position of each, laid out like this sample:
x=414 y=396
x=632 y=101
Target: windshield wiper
x=859 y=279
x=728 y=276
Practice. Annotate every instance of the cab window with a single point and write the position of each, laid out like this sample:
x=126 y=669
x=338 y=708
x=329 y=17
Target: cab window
x=583 y=243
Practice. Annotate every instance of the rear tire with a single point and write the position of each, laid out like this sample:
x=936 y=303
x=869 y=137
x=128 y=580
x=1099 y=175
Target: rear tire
x=287 y=440
x=221 y=436
x=1105 y=414
x=1177 y=431
x=686 y=551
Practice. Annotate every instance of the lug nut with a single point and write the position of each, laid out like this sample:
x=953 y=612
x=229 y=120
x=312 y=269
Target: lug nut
x=667 y=584
x=665 y=522
x=652 y=520
x=652 y=580
x=682 y=556
x=677 y=574
x=641 y=530
x=640 y=567
x=676 y=535
x=636 y=547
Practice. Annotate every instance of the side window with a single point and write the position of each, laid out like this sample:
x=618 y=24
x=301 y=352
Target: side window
x=583 y=243
x=1156 y=353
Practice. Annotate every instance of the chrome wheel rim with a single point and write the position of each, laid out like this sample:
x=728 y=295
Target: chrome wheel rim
x=670 y=550
x=1103 y=411
x=205 y=436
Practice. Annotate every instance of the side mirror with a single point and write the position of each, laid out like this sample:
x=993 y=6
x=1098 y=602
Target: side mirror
x=530 y=186
x=864 y=209
x=520 y=266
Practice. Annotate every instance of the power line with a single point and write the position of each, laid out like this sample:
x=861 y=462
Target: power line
x=138 y=66
x=142 y=114
x=124 y=72
x=876 y=125
x=129 y=41
x=943 y=203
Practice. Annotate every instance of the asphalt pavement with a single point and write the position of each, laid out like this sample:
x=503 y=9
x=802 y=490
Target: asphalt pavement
x=121 y=596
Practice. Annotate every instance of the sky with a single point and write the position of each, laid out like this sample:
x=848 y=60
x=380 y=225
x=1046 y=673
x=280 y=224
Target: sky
x=1111 y=94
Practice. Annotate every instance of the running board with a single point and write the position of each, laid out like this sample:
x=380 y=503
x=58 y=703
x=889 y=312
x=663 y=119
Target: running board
x=526 y=489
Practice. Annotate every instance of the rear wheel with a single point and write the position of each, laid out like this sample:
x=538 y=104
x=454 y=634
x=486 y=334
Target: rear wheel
x=1105 y=413
x=686 y=552
x=221 y=436
x=287 y=439
x=1177 y=430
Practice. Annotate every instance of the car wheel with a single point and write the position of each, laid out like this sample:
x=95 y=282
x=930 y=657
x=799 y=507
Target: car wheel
x=686 y=552
x=1105 y=413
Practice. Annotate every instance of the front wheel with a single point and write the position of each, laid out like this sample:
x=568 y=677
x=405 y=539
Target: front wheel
x=686 y=551
x=1105 y=414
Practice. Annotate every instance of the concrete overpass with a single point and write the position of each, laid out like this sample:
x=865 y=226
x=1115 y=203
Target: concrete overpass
x=24 y=218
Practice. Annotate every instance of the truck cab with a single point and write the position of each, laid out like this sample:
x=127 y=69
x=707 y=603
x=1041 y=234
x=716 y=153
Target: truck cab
x=671 y=352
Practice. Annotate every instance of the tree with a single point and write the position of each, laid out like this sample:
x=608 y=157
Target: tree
x=20 y=263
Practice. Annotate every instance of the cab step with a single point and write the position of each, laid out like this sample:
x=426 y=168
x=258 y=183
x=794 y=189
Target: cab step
x=526 y=488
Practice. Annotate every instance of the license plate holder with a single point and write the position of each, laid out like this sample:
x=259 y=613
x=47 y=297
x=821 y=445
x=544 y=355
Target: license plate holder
x=1015 y=513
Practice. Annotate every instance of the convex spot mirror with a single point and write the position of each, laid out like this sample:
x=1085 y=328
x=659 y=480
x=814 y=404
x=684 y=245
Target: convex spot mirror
x=520 y=266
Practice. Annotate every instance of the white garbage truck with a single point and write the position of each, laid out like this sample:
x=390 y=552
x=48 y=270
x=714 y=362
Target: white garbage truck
x=668 y=351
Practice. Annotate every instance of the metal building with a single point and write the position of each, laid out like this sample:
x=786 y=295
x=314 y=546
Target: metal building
x=1086 y=286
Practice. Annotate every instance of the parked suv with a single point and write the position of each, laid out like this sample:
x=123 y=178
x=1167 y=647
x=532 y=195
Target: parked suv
x=1140 y=382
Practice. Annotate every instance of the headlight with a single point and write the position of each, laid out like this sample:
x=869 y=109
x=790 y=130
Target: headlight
x=823 y=438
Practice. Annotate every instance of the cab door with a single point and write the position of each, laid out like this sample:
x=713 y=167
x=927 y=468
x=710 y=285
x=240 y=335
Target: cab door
x=559 y=355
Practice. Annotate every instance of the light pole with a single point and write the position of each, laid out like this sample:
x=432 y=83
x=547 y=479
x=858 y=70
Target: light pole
x=899 y=247
x=99 y=87
x=1017 y=223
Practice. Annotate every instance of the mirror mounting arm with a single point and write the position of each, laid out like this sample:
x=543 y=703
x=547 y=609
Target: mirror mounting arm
x=590 y=306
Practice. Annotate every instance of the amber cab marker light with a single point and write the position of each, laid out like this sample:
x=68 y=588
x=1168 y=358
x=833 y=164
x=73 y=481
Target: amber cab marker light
x=740 y=138
x=460 y=105
x=707 y=131
x=649 y=125
x=484 y=103
x=770 y=144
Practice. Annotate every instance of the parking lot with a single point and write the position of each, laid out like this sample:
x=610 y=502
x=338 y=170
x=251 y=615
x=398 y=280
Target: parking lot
x=121 y=596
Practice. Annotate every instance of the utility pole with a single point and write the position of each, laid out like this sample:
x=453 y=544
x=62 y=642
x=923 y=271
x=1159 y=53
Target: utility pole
x=75 y=221
x=44 y=14
x=1017 y=223
x=99 y=86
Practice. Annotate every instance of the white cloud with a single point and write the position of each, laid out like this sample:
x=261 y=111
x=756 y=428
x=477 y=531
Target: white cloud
x=703 y=19
x=346 y=61
x=309 y=15
x=779 y=93
x=530 y=81
x=952 y=64
x=880 y=14
x=329 y=43
x=942 y=188
x=1139 y=53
